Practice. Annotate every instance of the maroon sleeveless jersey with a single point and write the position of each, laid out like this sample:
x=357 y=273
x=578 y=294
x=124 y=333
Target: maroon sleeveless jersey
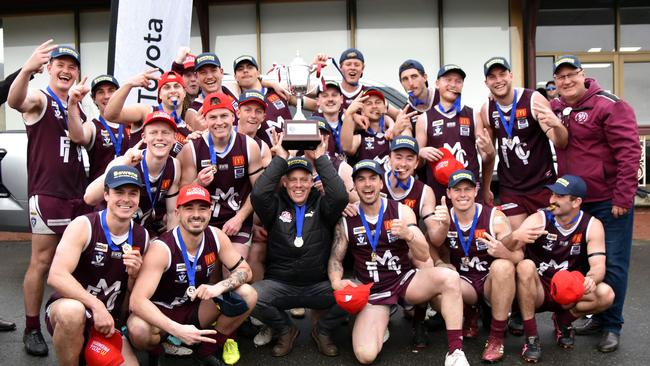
x=102 y=151
x=373 y=146
x=150 y=215
x=525 y=161
x=413 y=197
x=561 y=248
x=392 y=253
x=348 y=98
x=171 y=290
x=265 y=131
x=54 y=162
x=231 y=184
x=478 y=261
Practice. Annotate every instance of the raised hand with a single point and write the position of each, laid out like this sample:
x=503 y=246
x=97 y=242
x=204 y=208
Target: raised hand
x=143 y=80
x=78 y=91
x=441 y=213
x=277 y=149
x=133 y=156
x=40 y=57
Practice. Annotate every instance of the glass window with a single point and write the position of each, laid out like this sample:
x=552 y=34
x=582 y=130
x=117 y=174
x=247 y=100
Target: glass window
x=637 y=89
x=543 y=70
x=603 y=72
x=635 y=27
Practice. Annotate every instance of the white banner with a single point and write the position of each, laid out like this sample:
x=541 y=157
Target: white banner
x=148 y=35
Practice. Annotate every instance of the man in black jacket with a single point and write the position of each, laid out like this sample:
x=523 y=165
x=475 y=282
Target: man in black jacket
x=300 y=222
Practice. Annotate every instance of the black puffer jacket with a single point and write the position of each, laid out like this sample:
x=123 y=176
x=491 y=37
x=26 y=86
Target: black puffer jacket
x=284 y=261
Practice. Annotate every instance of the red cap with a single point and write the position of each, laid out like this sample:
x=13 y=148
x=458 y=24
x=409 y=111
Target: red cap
x=159 y=116
x=353 y=299
x=170 y=77
x=103 y=351
x=567 y=287
x=443 y=168
x=376 y=92
x=216 y=101
x=193 y=192
x=189 y=62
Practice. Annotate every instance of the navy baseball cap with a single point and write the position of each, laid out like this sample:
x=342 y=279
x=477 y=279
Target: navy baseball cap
x=449 y=68
x=102 y=79
x=298 y=163
x=206 y=58
x=410 y=64
x=65 y=51
x=121 y=175
x=244 y=58
x=351 y=53
x=459 y=176
x=252 y=96
x=495 y=61
x=231 y=304
x=328 y=84
x=367 y=164
x=570 y=60
x=405 y=142
x=569 y=185
x=323 y=126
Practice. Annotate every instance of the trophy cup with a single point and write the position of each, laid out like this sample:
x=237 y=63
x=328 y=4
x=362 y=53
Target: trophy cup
x=299 y=132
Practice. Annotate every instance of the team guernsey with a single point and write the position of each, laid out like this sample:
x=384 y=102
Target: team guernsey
x=390 y=269
x=525 y=158
x=54 y=163
x=102 y=149
x=152 y=207
x=374 y=146
x=172 y=288
x=413 y=197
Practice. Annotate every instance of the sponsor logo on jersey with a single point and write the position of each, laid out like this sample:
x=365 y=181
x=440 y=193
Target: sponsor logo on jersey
x=205 y=163
x=464 y=121
x=550 y=236
x=358 y=230
x=479 y=233
x=451 y=124
x=180 y=267
x=223 y=167
x=166 y=183
x=101 y=247
x=388 y=224
x=238 y=160
x=522 y=123
x=410 y=202
x=437 y=123
x=521 y=113
x=210 y=258
x=576 y=238
x=116 y=255
x=575 y=249
x=273 y=97
x=239 y=173
x=285 y=216
x=310 y=213
x=464 y=130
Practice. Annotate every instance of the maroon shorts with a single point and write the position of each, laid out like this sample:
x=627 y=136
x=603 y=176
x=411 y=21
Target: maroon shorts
x=478 y=283
x=393 y=293
x=187 y=313
x=50 y=326
x=245 y=234
x=548 y=304
x=51 y=215
x=516 y=204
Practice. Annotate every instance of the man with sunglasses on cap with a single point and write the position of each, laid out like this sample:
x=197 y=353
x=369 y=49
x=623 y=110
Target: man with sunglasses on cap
x=56 y=176
x=176 y=293
x=380 y=239
x=560 y=237
x=604 y=149
x=94 y=268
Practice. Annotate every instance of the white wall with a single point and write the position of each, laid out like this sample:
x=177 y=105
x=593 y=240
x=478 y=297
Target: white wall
x=232 y=32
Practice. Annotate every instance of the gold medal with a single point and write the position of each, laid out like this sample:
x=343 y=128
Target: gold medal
x=373 y=256
x=126 y=248
x=298 y=242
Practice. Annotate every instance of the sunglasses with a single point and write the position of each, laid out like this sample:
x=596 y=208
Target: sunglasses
x=551 y=88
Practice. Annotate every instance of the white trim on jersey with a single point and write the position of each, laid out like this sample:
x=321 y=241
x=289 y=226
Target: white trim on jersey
x=90 y=232
x=591 y=220
x=216 y=238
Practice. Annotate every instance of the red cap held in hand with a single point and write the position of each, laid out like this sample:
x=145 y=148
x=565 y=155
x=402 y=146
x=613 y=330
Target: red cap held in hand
x=443 y=168
x=102 y=351
x=567 y=287
x=353 y=299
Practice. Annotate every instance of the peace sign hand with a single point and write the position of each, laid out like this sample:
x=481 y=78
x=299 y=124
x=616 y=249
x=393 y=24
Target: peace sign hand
x=40 y=57
x=133 y=156
x=495 y=247
x=78 y=92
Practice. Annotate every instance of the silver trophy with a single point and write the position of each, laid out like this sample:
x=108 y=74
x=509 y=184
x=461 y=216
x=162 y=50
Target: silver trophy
x=300 y=133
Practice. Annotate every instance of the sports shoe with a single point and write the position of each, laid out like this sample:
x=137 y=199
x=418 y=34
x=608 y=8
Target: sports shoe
x=230 y=352
x=470 y=322
x=297 y=313
x=516 y=324
x=420 y=337
x=263 y=337
x=35 y=343
x=588 y=326
x=532 y=350
x=457 y=358
x=493 y=351
x=173 y=348
x=564 y=335
x=256 y=322
x=386 y=335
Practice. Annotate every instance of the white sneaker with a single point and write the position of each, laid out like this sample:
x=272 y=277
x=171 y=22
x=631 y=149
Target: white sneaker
x=386 y=335
x=174 y=350
x=456 y=359
x=256 y=322
x=263 y=337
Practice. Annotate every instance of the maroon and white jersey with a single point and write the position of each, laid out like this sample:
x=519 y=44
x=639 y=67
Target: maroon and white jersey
x=393 y=262
x=54 y=163
x=413 y=197
x=101 y=150
x=525 y=160
x=373 y=146
x=561 y=248
x=348 y=98
x=231 y=184
x=101 y=271
x=478 y=260
x=171 y=290
x=148 y=215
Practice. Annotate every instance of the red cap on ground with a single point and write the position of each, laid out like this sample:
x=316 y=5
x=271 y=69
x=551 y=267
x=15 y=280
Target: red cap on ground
x=443 y=168
x=102 y=351
x=193 y=192
x=353 y=299
x=567 y=287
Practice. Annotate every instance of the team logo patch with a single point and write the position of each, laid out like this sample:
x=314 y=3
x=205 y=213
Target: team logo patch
x=437 y=131
x=310 y=213
x=238 y=160
x=285 y=216
x=575 y=250
x=33 y=220
x=106 y=139
x=464 y=130
x=239 y=173
x=98 y=259
x=581 y=117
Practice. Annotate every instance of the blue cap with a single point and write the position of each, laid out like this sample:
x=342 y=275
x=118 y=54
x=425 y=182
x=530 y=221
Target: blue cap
x=244 y=58
x=459 y=176
x=231 y=304
x=410 y=64
x=121 y=175
x=569 y=185
x=101 y=79
x=495 y=61
x=323 y=126
x=570 y=60
x=449 y=68
x=367 y=164
x=65 y=51
x=298 y=163
x=351 y=53
x=252 y=96
x=405 y=142
x=206 y=58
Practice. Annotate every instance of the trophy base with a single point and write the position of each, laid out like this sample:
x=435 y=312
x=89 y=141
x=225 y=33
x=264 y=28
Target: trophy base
x=300 y=135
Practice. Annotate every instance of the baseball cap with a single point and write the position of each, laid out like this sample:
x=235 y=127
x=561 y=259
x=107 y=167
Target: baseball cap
x=159 y=116
x=65 y=51
x=103 y=351
x=374 y=91
x=328 y=84
x=169 y=77
x=459 y=176
x=567 y=287
x=206 y=58
x=367 y=164
x=217 y=100
x=449 y=68
x=102 y=79
x=121 y=175
x=404 y=142
x=193 y=192
x=323 y=126
x=189 y=62
x=244 y=58
x=231 y=304
x=570 y=60
x=495 y=61
x=445 y=166
x=252 y=96
x=569 y=185
x=353 y=299
x=410 y=64
x=351 y=53
x=298 y=163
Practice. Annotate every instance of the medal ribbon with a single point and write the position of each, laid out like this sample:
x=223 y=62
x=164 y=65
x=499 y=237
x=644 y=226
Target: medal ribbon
x=152 y=197
x=550 y=217
x=508 y=125
x=337 y=137
x=381 y=127
x=58 y=102
x=398 y=183
x=213 y=153
x=373 y=239
x=173 y=113
x=455 y=106
x=300 y=219
x=341 y=72
x=107 y=234
x=466 y=244
x=117 y=143
x=190 y=268
x=415 y=101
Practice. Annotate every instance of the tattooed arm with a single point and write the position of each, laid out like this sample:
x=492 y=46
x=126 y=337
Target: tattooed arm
x=335 y=265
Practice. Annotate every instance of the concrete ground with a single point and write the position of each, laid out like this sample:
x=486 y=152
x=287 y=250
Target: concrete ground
x=633 y=351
